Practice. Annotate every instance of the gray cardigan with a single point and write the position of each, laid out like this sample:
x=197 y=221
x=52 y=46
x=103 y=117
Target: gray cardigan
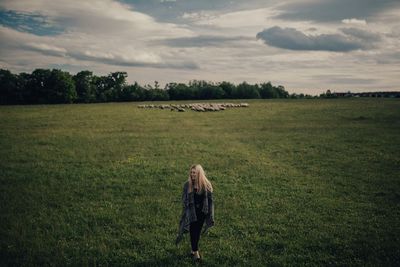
x=189 y=211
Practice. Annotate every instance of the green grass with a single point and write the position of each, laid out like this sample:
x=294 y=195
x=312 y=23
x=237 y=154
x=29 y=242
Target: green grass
x=297 y=182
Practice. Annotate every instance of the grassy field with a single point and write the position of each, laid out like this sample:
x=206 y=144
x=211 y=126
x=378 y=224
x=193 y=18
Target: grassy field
x=297 y=182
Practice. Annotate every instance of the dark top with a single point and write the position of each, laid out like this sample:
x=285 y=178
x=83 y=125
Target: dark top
x=198 y=200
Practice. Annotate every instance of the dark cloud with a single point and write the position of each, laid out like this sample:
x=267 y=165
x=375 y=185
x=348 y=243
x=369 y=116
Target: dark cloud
x=362 y=34
x=201 y=41
x=293 y=39
x=335 y=10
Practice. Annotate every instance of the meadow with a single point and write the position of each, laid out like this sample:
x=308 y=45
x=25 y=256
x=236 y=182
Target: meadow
x=313 y=182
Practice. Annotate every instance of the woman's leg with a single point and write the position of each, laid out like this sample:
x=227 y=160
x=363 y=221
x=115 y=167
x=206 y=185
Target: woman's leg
x=195 y=230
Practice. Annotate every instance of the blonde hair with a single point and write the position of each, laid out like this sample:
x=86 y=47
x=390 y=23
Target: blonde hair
x=201 y=182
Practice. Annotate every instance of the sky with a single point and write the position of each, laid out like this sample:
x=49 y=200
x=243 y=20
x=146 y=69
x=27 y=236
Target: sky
x=307 y=46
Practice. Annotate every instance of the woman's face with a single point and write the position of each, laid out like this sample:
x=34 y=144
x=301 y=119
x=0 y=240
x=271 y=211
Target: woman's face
x=193 y=175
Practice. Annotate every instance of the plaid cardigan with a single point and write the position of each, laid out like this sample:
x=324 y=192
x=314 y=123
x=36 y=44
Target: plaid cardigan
x=189 y=212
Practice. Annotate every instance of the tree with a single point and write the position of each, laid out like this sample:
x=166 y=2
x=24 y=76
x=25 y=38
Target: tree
x=100 y=84
x=115 y=83
x=22 y=90
x=246 y=91
x=85 y=86
x=281 y=92
x=110 y=87
x=205 y=90
x=38 y=86
x=228 y=89
x=328 y=94
x=268 y=91
x=210 y=92
x=133 y=93
x=9 y=90
x=179 y=91
x=56 y=86
x=61 y=87
x=156 y=85
x=118 y=81
x=156 y=95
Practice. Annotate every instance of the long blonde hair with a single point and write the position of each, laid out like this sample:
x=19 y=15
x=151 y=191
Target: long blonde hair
x=201 y=180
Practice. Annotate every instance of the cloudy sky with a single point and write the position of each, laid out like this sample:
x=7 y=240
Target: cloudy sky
x=307 y=46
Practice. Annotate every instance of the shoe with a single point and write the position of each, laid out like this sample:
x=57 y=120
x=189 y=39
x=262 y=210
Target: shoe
x=197 y=259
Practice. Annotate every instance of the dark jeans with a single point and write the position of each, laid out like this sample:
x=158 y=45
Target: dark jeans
x=195 y=230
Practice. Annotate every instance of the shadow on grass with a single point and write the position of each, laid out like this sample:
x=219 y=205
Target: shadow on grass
x=173 y=259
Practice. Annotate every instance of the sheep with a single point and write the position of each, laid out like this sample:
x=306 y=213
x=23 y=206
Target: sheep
x=199 y=107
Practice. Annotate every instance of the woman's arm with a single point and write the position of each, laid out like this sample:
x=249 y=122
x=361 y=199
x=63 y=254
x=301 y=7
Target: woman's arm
x=185 y=200
x=211 y=206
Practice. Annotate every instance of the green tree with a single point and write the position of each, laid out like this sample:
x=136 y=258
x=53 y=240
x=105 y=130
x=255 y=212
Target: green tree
x=205 y=90
x=268 y=91
x=156 y=85
x=179 y=91
x=9 y=90
x=110 y=87
x=38 y=86
x=61 y=87
x=156 y=95
x=23 y=90
x=228 y=89
x=85 y=86
x=100 y=84
x=246 y=91
x=210 y=91
x=281 y=92
x=133 y=92
x=115 y=84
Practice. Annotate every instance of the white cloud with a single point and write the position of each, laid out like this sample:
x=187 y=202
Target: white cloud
x=99 y=31
x=354 y=21
x=104 y=17
x=51 y=49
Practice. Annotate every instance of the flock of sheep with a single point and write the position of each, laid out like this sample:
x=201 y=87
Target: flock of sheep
x=201 y=107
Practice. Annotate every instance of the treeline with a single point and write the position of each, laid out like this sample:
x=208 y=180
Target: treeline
x=44 y=86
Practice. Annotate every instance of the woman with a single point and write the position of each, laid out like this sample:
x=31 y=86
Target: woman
x=198 y=207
